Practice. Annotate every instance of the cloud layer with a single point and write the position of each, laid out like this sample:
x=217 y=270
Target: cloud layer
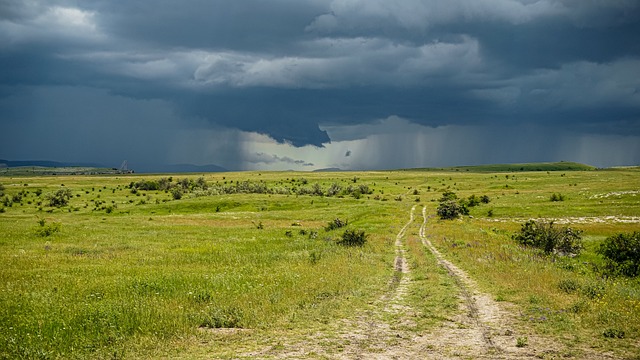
x=305 y=74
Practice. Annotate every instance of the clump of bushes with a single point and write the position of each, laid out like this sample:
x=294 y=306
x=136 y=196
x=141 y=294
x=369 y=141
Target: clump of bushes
x=353 y=238
x=622 y=254
x=451 y=207
x=557 y=197
x=550 y=238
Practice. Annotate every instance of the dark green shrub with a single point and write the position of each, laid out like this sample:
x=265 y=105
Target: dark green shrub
x=448 y=196
x=450 y=209
x=557 y=197
x=353 y=238
x=6 y=201
x=59 y=198
x=485 y=199
x=550 y=238
x=16 y=198
x=613 y=333
x=473 y=201
x=177 y=194
x=335 y=224
x=622 y=254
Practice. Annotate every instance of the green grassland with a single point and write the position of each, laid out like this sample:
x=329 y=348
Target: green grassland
x=121 y=272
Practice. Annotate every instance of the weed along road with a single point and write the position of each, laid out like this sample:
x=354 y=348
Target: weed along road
x=482 y=263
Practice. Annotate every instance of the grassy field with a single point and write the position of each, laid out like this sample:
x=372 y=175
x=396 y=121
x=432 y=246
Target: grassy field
x=142 y=266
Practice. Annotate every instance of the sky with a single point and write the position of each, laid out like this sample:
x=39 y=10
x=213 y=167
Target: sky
x=306 y=85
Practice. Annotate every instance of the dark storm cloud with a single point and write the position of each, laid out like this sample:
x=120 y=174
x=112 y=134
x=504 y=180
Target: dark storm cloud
x=290 y=68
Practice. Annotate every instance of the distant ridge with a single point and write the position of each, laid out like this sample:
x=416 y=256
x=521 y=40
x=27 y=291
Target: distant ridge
x=542 y=166
x=328 y=170
x=44 y=163
x=154 y=168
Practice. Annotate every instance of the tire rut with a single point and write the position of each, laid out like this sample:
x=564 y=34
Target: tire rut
x=470 y=296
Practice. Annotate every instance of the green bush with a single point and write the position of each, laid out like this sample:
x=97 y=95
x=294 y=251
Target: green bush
x=59 y=198
x=335 y=224
x=622 y=254
x=449 y=209
x=177 y=194
x=557 y=197
x=45 y=229
x=353 y=238
x=549 y=238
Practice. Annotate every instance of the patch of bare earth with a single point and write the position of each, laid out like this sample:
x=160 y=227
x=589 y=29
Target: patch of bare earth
x=483 y=329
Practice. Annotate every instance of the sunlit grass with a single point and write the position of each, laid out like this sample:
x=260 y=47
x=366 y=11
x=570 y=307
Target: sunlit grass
x=152 y=272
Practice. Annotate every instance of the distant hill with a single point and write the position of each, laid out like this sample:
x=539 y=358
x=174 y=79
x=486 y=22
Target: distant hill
x=55 y=167
x=328 y=170
x=543 y=166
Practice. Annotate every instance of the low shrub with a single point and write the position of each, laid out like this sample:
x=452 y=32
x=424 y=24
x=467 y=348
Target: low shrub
x=335 y=224
x=353 y=238
x=569 y=286
x=45 y=230
x=550 y=238
x=557 y=197
x=59 y=198
x=449 y=209
x=622 y=254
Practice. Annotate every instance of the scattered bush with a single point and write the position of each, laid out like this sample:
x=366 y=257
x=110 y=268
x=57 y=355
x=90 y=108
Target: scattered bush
x=47 y=229
x=353 y=238
x=335 y=224
x=613 y=334
x=557 y=197
x=450 y=209
x=622 y=254
x=448 y=196
x=472 y=201
x=568 y=285
x=59 y=198
x=176 y=194
x=6 y=201
x=549 y=238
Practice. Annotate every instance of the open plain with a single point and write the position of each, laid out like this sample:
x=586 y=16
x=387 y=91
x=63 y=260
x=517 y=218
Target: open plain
x=255 y=265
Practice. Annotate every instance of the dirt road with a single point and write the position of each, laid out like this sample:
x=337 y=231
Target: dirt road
x=482 y=328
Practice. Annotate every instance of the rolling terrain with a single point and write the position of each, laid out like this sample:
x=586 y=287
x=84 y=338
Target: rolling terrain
x=255 y=265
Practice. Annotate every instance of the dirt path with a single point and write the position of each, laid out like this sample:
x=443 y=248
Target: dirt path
x=483 y=328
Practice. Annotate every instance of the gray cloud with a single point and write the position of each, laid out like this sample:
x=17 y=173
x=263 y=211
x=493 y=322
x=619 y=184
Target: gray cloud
x=297 y=71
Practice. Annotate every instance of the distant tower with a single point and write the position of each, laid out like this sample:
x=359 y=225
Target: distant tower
x=123 y=167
